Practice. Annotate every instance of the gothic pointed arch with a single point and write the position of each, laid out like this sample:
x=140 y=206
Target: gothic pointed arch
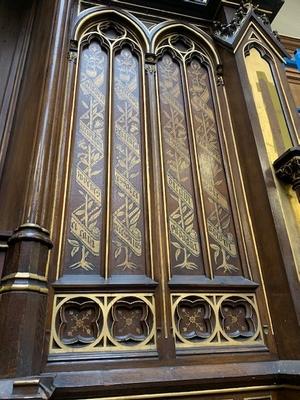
x=95 y=14
x=150 y=223
x=193 y=159
x=173 y=27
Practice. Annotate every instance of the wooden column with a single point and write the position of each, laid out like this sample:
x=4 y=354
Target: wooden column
x=24 y=285
x=23 y=301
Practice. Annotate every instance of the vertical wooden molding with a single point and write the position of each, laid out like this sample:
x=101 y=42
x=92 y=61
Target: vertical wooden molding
x=24 y=286
x=43 y=159
x=8 y=108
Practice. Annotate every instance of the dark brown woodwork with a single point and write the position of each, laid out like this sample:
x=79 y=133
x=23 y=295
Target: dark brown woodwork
x=276 y=284
x=145 y=172
x=24 y=289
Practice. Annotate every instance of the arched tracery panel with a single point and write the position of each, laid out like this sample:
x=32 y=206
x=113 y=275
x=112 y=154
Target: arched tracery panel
x=106 y=208
x=107 y=200
x=127 y=129
x=184 y=229
x=128 y=243
x=87 y=188
x=200 y=214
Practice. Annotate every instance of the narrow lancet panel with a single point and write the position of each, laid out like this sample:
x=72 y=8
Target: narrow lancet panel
x=85 y=213
x=218 y=213
x=185 y=250
x=127 y=254
x=267 y=101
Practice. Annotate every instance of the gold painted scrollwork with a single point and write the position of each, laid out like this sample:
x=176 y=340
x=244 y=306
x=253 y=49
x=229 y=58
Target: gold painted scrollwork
x=193 y=163
x=87 y=181
x=105 y=217
x=183 y=226
x=219 y=219
x=127 y=190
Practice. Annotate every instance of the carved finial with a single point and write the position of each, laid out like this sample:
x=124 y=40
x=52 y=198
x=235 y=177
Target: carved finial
x=276 y=34
x=232 y=27
x=248 y=4
x=73 y=50
x=220 y=81
x=150 y=68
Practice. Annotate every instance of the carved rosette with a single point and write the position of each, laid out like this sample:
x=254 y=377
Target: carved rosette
x=102 y=322
x=238 y=318
x=194 y=319
x=215 y=320
x=131 y=321
x=80 y=322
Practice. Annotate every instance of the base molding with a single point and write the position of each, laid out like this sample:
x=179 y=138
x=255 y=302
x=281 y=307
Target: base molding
x=235 y=381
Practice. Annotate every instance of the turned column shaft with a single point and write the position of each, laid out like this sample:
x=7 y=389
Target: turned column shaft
x=24 y=286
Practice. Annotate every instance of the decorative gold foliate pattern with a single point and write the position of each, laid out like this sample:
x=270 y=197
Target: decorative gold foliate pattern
x=183 y=226
x=106 y=221
x=87 y=181
x=193 y=164
x=127 y=192
x=223 y=244
x=109 y=200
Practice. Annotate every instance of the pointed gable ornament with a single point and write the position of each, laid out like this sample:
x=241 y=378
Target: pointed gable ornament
x=230 y=33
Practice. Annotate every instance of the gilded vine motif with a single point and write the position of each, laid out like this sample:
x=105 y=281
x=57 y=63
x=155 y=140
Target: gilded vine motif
x=127 y=173
x=87 y=178
x=219 y=215
x=184 y=231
